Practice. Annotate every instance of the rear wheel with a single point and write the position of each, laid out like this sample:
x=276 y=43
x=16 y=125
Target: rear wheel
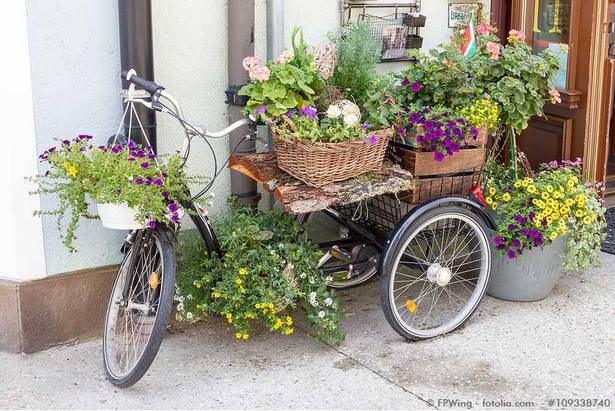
x=435 y=272
x=139 y=307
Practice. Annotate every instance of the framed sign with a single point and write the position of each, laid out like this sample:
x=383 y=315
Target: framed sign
x=460 y=13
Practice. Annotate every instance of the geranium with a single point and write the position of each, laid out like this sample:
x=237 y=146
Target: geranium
x=494 y=49
x=555 y=96
x=484 y=28
x=515 y=36
x=260 y=73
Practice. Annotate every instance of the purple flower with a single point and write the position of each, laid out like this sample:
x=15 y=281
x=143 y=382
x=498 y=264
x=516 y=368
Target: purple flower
x=405 y=82
x=102 y=148
x=151 y=156
x=426 y=110
x=461 y=121
x=158 y=182
x=501 y=247
x=534 y=233
x=415 y=117
x=172 y=207
x=512 y=227
x=165 y=194
x=291 y=112
x=373 y=139
x=531 y=215
x=416 y=87
x=515 y=243
x=148 y=181
x=131 y=159
x=524 y=232
x=511 y=254
x=164 y=174
x=175 y=217
x=51 y=149
x=115 y=149
x=308 y=111
x=538 y=242
x=474 y=132
x=260 y=109
x=151 y=224
x=132 y=145
x=139 y=181
x=438 y=156
x=66 y=142
x=145 y=164
x=85 y=137
x=402 y=131
x=366 y=126
x=497 y=240
x=509 y=189
x=139 y=153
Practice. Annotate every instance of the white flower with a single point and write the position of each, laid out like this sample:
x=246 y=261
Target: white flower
x=272 y=252
x=334 y=111
x=349 y=108
x=280 y=245
x=302 y=275
x=328 y=301
x=189 y=297
x=130 y=178
x=314 y=303
x=328 y=279
x=180 y=307
x=321 y=314
x=312 y=295
x=189 y=316
x=311 y=280
x=351 y=119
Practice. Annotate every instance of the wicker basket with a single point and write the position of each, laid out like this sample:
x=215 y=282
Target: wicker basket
x=318 y=164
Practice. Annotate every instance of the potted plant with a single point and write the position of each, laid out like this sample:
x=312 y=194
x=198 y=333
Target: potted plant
x=546 y=223
x=246 y=293
x=131 y=186
x=314 y=110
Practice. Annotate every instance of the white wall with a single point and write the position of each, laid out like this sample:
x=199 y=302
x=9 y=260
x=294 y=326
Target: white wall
x=74 y=54
x=21 y=243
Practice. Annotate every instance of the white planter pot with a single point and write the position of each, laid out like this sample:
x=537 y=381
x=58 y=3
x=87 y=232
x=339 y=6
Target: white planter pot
x=118 y=216
x=529 y=277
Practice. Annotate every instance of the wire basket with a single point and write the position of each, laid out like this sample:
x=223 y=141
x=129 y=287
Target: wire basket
x=395 y=36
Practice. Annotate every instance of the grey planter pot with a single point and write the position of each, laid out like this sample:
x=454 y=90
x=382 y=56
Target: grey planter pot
x=530 y=277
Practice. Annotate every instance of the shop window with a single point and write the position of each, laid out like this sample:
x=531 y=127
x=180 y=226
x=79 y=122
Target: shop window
x=551 y=30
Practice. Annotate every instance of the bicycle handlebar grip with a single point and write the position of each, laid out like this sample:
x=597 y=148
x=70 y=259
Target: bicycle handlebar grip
x=147 y=85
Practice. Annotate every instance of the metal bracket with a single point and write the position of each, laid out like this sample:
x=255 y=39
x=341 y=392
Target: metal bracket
x=233 y=98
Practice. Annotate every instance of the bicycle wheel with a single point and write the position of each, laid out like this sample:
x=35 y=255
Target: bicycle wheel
x=435 y=272
x=355 y=263
x=139 y=307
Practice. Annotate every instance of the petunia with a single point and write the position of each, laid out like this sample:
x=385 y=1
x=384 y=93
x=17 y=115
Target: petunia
x=373 y=139
x=498 y=239
x=151 y=224
x=158 y=182
x=534 y=233
x=511 y=254
x=524 y=232
x=165 y=194
x=438 y=156
x=260 y=109
x=405 y=82
x=515 y=243
x=172 y=207
x=308 y=111
x=139 y=181
x=416 y=87
x=145 y=164
x=291 y=112
x=115 y=149
x=366 y=126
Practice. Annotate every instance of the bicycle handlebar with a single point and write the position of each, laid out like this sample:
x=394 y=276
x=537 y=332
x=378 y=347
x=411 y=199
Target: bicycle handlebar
x=147 y=85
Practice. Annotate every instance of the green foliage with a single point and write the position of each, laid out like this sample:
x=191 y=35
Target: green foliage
x=358 y=53
x=250 y=284
x=384 y=106
x=291 y=84
x=121 y=174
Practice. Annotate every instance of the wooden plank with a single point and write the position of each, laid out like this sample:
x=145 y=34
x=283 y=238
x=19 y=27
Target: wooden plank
x=299 y=198
x=422 y=163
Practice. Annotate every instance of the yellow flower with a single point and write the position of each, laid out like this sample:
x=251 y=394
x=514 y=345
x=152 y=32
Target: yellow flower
x=506 y=197
x=578 y=213
x=229 y=315
x=551 y=202
x=241 y=289
x=289 y=320
x=230 y=320
x=238 y=335
x=246 y=336
x=587 y=219
x=518 y=183
x=197 y=285
x=545 y=195
x=532 y=189
x=270 y=305
x=257 y=306
x=243 y=271
x=492 y=190
x=489 y=200
x=525 y=182
x=289 y=331
x=215 y=294
x=569 y=203
x=550 y=220
x=547 y=211
x=550 y=189
x=238 y=281
x=494 y=206
x=553 y=236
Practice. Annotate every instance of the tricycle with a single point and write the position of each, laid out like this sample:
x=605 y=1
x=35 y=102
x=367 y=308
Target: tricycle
x=433 y=259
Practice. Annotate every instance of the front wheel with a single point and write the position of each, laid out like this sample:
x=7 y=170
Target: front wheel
x=139 y=307
x=435 y=272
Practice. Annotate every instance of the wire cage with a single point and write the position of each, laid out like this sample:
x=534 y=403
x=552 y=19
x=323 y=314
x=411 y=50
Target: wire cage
x=378 y=214
x=397 y=31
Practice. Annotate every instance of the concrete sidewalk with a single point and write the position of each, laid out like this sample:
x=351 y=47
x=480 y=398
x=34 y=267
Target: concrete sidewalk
x=560 y=348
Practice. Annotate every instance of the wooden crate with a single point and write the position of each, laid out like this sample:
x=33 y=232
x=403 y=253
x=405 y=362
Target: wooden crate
x=422 y=163
x=427 y=188
x=410 y=138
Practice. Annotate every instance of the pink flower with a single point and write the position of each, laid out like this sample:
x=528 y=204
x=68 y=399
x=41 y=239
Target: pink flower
x=285 y=57
x=260 y=73
x=515 y=35
x=494 y=49
x=484 y=28
x=252 y=62
x=555 y=96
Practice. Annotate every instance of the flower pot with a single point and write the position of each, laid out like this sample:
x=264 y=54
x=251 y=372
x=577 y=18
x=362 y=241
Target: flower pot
x=412 y=20
x=414 y=41
x=529 y=277
x=118 y=216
